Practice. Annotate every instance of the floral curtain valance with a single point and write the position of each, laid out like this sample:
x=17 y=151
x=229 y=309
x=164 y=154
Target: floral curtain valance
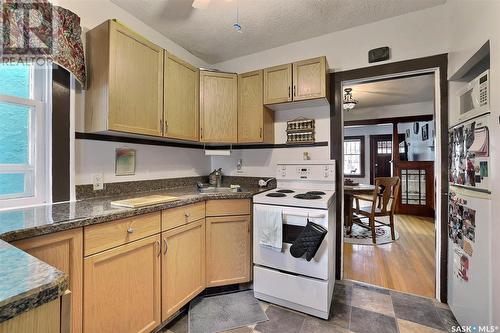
x=35 y=30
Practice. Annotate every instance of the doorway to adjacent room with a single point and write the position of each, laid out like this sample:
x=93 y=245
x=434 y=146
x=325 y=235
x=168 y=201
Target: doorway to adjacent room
x=393 y=132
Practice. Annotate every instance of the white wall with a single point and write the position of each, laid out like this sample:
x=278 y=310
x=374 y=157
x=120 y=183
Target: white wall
x=366 y=131
x=153 y=162
x=388 y=111
x=471 y=24
x=348 y=49
x=418 y=149
x=261 y=162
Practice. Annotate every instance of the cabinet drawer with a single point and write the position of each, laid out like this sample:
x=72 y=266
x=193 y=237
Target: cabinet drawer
x=104 y=236
x=228 y=207
x=178 y=216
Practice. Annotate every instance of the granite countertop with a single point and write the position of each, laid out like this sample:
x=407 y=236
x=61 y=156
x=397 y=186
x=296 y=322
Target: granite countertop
x=26 y=282
x=23 y=223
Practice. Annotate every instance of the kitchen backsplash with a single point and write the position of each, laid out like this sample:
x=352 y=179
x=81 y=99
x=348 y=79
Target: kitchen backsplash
x=124 y=188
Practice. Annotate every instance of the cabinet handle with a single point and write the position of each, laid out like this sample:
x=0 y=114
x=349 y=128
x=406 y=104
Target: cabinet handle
x=166 y=246
x=289 y=92
x=260 y=133
x=161 y=126
x=159 y=247
x=186 y=215
x=166 y=126
x=130 y=230
x=294 y=91
x=201 y=133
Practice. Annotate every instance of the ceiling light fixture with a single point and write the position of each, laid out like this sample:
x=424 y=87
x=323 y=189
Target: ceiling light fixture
x=349 y=102
x=237 y=25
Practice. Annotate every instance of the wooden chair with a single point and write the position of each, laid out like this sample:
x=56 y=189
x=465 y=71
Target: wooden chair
x=383 y=203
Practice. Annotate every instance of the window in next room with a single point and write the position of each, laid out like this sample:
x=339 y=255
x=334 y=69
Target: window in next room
x=354 y=151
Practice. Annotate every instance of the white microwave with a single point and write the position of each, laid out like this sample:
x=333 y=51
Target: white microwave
x=475 y=97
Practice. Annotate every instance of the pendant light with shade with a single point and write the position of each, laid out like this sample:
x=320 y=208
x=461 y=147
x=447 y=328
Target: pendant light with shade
x=349 y=102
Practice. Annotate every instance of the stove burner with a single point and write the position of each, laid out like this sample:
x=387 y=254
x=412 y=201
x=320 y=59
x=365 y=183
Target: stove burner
x=316 y=193
x=276 y=195
x=285 y=191
x=307 y=196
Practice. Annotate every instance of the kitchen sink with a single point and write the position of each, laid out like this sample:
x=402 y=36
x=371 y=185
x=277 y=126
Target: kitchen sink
x=213 y=189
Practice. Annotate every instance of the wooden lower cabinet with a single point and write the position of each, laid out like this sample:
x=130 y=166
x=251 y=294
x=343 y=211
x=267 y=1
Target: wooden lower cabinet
x=64 y=251
x=122 y=288
x=43 y=319
x=228 y=250
x=183 y=266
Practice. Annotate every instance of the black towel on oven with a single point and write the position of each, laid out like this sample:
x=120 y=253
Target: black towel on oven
x=308 y=241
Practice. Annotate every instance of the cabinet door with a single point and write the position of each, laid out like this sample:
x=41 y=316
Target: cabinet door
x=122 y=288
x=228 y=250
x=278 y=84
x=309 y=79
x=135 y=83
x=183 y=266
x=45 y=318
x=250 y=107
x=64 y=251
x=218 y=107
x=181 y=99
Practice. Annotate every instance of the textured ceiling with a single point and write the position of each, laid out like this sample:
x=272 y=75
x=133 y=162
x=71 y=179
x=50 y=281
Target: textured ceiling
x=208 y=33
x=393 y=92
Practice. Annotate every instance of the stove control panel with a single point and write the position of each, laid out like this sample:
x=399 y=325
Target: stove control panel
x=306 y=172
x=303 y=173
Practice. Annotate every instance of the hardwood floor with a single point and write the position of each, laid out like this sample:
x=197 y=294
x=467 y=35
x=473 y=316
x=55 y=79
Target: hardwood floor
x=406 y=265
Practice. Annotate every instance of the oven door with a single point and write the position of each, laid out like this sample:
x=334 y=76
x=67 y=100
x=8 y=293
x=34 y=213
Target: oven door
x=294 y=221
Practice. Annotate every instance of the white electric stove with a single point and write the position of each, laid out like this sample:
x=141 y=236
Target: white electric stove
x=305 y=192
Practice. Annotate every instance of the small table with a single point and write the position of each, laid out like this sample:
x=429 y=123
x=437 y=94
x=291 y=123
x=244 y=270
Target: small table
x=349 y=192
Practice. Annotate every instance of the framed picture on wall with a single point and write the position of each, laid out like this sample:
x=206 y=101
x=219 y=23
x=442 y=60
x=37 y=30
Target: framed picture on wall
x=425 y=132
x=124 y=162
x=416 y=127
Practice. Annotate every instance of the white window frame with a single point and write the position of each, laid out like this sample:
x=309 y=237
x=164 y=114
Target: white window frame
x=361 y=156
x=40 y=127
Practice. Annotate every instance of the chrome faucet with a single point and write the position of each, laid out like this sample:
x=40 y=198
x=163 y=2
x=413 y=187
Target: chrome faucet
x=215 y=177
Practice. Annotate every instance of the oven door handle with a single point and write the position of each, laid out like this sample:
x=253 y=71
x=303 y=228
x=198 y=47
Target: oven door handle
x=312 y=216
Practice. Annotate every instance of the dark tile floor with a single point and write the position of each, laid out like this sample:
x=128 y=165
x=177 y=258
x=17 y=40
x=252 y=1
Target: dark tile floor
x=356 y=308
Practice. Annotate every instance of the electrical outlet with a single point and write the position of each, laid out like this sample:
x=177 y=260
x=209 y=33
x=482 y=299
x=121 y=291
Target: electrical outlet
x=97 y=181
x=239 y=166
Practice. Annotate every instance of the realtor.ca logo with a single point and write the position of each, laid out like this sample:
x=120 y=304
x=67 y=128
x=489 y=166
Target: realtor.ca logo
x=475 y=329
x=26 y=28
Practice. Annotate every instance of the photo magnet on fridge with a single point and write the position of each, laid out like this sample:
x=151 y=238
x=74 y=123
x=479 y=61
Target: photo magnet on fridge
x=483 y=169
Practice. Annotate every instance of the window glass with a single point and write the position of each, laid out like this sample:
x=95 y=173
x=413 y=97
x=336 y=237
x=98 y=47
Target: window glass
x=353 y=155
x=14 y=133
x=15 y=80
x=15 y=185
x=20 y=116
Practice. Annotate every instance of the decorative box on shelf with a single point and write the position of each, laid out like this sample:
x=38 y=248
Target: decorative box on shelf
x=300 y=131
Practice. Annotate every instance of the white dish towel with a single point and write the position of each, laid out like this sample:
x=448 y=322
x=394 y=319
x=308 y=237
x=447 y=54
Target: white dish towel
x=269 y=226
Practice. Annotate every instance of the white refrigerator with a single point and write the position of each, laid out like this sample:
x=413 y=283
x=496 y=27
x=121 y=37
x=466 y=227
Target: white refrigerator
x=469 y=223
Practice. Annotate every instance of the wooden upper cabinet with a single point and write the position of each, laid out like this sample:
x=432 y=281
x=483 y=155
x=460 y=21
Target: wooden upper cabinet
x=301 y=81
x=183 y=266
x=309 y=79
x=255 y=121
x=122 y=288
x=64 y=251
x=278 y=84
x=181 y=99
x=125 y=82
x=218 y=107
